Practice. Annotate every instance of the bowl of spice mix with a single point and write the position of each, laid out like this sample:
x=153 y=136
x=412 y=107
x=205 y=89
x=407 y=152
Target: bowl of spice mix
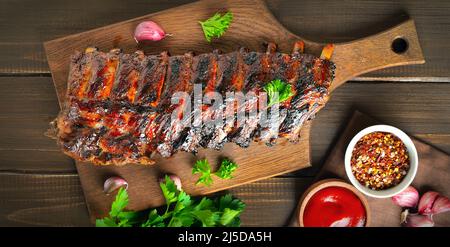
x=381 y=161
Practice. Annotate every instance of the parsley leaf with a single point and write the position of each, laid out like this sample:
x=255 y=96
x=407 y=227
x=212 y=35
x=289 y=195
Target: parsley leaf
x=169 y=190
x=129 y=218
x=203 y=167
x=182 y=219
x=120 y=203
x=105 y=222
x=226 y=168
x=154 y=220
x=228 y=216
x=278 y=91
x=231 y=209
x=227 y=201
x=117 y=215
x=206 y=217
x=216 y=25
x=181 y=211
x=184 y=201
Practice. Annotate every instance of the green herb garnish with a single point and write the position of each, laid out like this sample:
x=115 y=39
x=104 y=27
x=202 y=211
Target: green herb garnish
x=278 y=91
x=180 y=211
x=117 y=215
x=226 y=169
x=216 y=25
x=203 y=167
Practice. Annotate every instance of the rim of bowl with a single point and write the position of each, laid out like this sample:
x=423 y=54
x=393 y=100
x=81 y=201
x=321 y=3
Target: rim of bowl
x=325 y=183
x=413 y=159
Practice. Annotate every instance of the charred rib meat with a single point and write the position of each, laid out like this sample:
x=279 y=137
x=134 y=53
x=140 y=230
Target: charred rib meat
x=118 y=106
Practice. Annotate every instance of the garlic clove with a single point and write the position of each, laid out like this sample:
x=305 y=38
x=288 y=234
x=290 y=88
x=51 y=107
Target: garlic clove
x=176 y=180
x=113 y=183
x=416 y=220
x=148 y=30
x=426 y=202
x=441 y=205
x=408 y=198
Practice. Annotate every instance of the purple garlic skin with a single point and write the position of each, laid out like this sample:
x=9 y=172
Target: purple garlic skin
x=407 y=198
x=417 y=220
x=148 y=30
x=440 y=205
x=426 y=202
x=113 y=183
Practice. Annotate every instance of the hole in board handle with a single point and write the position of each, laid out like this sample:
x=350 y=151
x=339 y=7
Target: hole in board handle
x=399 y=45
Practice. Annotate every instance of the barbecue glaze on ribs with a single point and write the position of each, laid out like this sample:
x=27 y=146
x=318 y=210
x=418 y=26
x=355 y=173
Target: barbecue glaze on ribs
x=118 y=106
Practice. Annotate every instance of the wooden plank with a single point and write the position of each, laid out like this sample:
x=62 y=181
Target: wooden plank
x=407 y=105
x=351 y=58
x=27 y=105
x=347 y=20
x=20 y=44
x=256 y=162
x=41 y=200
x=57 y=200
x=35 y=160
x=29 y=23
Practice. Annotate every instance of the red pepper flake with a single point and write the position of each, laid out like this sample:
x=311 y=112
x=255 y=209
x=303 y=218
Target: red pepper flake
x=380 y=160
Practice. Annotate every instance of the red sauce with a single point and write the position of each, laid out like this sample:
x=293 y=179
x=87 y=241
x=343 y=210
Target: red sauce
x=334 y=206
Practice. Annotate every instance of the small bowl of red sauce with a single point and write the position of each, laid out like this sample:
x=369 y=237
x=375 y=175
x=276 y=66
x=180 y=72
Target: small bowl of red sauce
x=381 y=161
x=333 y=203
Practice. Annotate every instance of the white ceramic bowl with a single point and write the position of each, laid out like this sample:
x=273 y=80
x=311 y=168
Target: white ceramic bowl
x=413 y=158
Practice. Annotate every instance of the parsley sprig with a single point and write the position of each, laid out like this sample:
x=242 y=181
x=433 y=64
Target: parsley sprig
x=278 y=91
x=227 y=167
x=117 y=215
x=181 y=211
x=203 y=167
x=216 y=25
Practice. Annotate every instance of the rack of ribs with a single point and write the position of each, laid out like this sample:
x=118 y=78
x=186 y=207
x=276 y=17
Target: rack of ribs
x=118 y=106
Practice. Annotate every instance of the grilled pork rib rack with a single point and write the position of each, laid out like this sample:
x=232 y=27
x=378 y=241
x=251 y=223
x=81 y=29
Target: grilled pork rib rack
x=118 y=106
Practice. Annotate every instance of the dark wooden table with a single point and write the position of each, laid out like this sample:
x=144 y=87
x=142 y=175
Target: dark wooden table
x=39 y=186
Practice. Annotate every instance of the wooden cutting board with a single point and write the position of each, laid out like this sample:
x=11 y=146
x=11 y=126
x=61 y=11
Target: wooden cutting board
x=433 y=174
x=253 y=25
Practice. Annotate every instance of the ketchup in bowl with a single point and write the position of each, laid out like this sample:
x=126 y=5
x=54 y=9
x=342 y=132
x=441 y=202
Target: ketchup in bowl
x=334 y=207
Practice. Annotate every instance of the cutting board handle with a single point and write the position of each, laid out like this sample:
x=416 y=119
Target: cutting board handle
x=396 y=46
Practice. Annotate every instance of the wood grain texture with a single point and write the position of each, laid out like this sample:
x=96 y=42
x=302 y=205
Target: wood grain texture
x=420 y=109
x=351 y=58
x=57 y=200
x=376 y=52
x=27 y=105
x=256 y=162
x=433 y=174
x=27 y=25
x=41 y=200
x=405 y=105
